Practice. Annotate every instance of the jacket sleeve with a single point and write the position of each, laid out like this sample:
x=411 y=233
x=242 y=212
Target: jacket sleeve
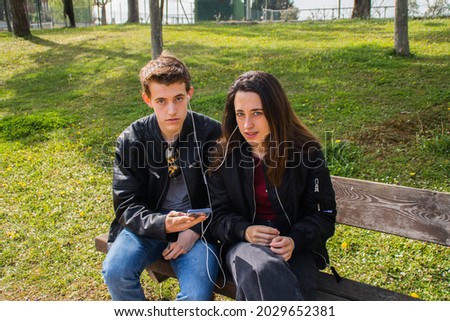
x=130 y=188
x=317 y=224
x=227 y=225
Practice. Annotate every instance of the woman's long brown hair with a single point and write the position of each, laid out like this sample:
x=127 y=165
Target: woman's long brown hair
x=287 y=132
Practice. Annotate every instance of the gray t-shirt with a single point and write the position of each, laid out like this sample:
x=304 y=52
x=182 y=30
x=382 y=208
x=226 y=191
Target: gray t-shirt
x=177 y=198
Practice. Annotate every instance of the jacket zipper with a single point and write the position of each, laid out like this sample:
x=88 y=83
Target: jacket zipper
x=165 y=185
x=316 y=190
x=193 y=164
x=185 y=184
x=155 y=174
x=282 y=207
x=254 y=197
x=162 y=194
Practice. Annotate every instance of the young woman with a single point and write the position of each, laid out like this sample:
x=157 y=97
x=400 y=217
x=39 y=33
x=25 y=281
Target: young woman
x=272 y=198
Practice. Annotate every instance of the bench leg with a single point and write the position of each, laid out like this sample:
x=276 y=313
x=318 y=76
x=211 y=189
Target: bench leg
x=155 y=276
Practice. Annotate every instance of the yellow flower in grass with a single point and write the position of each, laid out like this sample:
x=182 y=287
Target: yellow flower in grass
x=22 y=184
x=12 y=235
x=415 y=295
x=344 y=245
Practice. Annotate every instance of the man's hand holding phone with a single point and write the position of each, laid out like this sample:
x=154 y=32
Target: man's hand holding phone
x=179 y=221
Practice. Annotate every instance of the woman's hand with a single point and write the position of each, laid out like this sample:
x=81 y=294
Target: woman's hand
x=283 y=246
x=260 y=234
x=179 y=221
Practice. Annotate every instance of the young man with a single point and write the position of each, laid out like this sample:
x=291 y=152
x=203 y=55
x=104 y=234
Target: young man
x=159 y=175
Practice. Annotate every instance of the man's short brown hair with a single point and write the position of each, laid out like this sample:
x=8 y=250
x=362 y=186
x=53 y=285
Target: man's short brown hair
x=166 y=69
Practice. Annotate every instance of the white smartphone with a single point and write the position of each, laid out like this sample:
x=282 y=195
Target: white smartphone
x=199 y=211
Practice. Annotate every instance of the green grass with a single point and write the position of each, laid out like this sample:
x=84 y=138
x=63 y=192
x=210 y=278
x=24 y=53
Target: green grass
x=66 y=94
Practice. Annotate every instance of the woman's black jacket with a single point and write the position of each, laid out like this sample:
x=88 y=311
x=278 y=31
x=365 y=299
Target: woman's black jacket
x=140 y=180
x=305 y=200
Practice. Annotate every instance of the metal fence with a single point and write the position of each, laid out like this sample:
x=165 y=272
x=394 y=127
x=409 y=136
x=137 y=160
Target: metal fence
x=379 y=12
x=42 y=15
x=183 y=12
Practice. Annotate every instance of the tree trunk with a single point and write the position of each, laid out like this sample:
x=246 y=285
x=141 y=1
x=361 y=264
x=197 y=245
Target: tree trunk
x=401 y=41
x=133 y=11
x=361 y=9
x=8 y=18
x=156 y=25
x=19 y=13
x=68 y=11
x=2 y=9
x=104 y=14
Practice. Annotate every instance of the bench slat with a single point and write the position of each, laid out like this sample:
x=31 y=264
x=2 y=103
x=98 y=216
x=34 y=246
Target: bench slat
x=357 y=291
x=404 y=211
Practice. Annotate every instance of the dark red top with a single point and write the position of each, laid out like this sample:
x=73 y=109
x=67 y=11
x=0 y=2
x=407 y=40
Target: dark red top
x=264 y=210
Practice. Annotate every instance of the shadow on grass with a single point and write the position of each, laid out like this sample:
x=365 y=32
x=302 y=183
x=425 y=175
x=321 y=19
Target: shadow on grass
x=43 y=42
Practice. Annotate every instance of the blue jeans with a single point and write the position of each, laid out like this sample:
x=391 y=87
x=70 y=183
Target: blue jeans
x=130 y=254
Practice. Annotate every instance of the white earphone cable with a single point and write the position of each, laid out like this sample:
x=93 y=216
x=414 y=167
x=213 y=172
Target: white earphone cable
x=202 y=237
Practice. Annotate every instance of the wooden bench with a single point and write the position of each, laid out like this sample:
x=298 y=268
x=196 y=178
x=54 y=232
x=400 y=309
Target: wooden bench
x=408 y=212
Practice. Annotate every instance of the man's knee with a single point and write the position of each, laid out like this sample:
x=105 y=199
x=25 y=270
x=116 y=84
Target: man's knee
x=114 y=272
x=109 y=274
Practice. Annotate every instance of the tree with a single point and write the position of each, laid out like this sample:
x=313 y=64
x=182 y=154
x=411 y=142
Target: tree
x=19 y=13
x=133 y=11
x=156 y=12
x=2 y=9
x=102 y=4
x=413 y=8
x=6 y=8
x=437 y=9
x=361 y=9
x=401 y=42
x=68 y=11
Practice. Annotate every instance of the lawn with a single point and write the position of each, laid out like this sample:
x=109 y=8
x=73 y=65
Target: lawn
x=66 y=94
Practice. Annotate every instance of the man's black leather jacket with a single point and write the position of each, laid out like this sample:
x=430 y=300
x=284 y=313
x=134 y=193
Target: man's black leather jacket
x=140 y=180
